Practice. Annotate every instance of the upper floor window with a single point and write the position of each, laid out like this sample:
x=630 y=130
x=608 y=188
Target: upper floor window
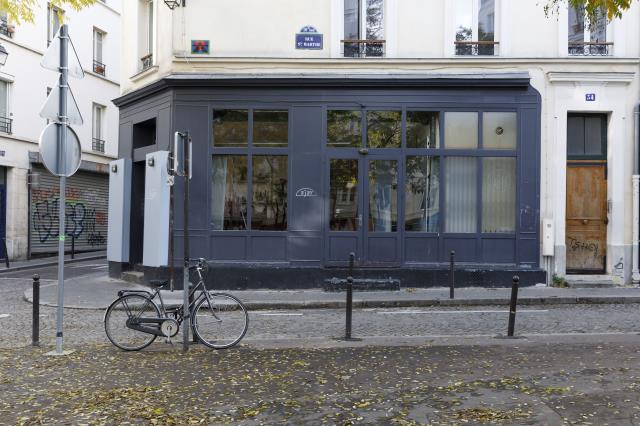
x=5 y=119
x=53 y=22
x=5 y=28
x=98 y=63
x=587 y=38
x=475 y=27
x=363 y=28
x=145 y=36
x=98 y=128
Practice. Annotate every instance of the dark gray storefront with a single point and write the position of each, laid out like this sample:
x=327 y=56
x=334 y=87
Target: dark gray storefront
x=292 y=174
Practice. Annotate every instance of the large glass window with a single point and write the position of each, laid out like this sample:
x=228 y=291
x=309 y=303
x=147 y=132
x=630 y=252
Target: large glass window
x=343 y=195
x=585 y=37
x=475 y=27
x=461 y=194
x=498 y=195
x=344 y=129
x=270 y=128
x=423 y=129
x=383 y=129
x=229 y=192
x=363 y=28
x=383 y=196
x=422 y=194
x=270 y=188
x=461 y=130
x=230 y=127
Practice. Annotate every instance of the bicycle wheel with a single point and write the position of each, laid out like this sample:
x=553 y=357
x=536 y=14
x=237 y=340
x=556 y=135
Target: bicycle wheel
x=221 y=323
x=115 y=321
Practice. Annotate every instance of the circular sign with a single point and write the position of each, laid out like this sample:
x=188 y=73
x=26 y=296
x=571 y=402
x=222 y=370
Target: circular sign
x=67 y=164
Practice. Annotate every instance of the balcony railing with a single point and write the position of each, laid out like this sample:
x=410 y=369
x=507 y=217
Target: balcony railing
x=590 y=48
x=97 y=145
x=147 y=61
x=99 y=67
x=363 y=48
x=5 y=124
x=475 y=48
x=6 y=29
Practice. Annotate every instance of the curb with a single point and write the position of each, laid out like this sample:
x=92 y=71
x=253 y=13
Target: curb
x=51 y=263
x=363 y=304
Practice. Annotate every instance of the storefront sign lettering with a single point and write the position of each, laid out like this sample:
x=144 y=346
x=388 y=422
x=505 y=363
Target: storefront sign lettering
x=306 y=192
x=309 y=38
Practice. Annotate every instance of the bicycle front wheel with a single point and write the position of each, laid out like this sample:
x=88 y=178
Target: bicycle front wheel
x=220 y=321
x=115 y=321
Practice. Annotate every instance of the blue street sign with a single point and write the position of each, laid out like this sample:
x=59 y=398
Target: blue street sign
x=590 y=97
x=309 y=38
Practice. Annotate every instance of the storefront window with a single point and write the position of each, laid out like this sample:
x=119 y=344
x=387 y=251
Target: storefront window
x=230 y=128
x=423 y=129
x=229 y=192
x=270 y=128
x=269 y=198
x=343 y=191
x=422 y=194
x=344 y=129
x=499 y=130
x=383 y=196
x=383 y=129
x=498 y=195
x=461 y=194
x=461 y=130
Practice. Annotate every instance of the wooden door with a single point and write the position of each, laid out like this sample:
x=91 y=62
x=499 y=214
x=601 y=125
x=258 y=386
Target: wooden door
x=586 y=232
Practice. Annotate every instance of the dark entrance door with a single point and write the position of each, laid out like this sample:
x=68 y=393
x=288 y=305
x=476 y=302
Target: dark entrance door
x=586 y=216
x=136 y=235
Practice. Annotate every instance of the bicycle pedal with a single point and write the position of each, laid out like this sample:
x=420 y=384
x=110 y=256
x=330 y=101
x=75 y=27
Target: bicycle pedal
x=168 y=340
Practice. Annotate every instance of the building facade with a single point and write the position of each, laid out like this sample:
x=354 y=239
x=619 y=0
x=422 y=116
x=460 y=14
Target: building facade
x=29 y=205
x=397 y=130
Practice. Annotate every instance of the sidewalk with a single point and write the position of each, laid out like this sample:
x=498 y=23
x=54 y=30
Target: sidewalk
x=98 y=291
x=21 y=265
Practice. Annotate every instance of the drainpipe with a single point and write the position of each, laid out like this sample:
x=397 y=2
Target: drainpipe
x=635 y=179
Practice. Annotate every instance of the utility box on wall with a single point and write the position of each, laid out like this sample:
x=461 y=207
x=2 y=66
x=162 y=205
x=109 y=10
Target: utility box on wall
x=548 y=232
x=119 y=210
x=156 y=210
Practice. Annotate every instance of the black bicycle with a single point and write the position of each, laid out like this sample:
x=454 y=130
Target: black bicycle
x=134 y=320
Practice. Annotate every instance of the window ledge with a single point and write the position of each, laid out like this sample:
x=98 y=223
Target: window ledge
x=102 y=77
x=142 y=74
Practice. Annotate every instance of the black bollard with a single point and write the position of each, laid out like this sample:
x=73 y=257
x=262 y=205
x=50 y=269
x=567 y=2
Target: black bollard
x=35 y=334
x=347 y=333
x=513 y=305
x=452 y=279
x=73 y=246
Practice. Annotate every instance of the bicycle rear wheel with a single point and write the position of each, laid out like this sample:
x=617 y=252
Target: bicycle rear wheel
x=222 y=322
x=115 y=321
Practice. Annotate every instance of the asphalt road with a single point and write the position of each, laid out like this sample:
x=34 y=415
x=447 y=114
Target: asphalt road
x=71 y=270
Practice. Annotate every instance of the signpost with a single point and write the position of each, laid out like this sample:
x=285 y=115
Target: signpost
x=60 y=147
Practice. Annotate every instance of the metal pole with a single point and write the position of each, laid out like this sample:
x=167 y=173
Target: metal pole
x=185 y=280
x=62 y=135
x=73 y=246
x=513 y=305
x=35 y=332
x=452 y=280
x=347 y=333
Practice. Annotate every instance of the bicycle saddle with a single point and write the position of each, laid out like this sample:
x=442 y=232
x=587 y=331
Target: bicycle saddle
x=158 y=283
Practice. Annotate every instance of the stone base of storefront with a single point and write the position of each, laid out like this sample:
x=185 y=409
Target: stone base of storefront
x=244 y=277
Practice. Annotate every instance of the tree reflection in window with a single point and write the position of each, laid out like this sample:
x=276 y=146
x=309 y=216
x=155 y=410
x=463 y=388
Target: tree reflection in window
x=269 y=198
x=343 y=183
x=270 y=128
x=344 y=129
x=229 y=192
x=383 y=129
x=422 y=194
x=230 y=128
x=423 y=129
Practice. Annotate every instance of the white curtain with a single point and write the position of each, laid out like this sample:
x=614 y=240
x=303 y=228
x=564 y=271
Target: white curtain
x=218 y=191
x=461 y=194
x=498 y=195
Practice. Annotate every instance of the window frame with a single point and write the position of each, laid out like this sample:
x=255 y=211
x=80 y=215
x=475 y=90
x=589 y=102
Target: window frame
x=475 y=22
x=53 y=12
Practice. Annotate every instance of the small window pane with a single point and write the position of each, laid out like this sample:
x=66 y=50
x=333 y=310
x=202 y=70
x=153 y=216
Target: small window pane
x=423 y=129
x=343 y=189
x=229 y=192
x=499 y=130
x=461 y=194
x=383 y=196
x=270 y=128
x=383 y=129
x=269 y=200
x=593 y=140
x=422 y=194
x=461 y=130
x=230 y=127
x=344 y=129
x=486 y=26
x=498 y=195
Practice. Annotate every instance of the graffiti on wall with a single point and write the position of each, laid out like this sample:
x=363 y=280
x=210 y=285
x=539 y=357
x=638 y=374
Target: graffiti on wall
x=81 y=217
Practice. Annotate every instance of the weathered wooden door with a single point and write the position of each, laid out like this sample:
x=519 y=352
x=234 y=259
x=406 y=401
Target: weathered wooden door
x=586 y=225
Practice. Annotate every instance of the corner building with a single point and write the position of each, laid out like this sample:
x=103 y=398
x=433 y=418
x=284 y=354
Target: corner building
x=397 y=130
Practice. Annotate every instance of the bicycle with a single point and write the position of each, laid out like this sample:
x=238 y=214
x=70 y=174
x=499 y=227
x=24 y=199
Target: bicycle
x=134 y=320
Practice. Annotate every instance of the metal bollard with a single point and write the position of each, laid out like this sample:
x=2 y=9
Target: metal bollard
x=73 y=246
x=347 y=333
x=452 y=279
x=513 y=305
x=35 y=332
